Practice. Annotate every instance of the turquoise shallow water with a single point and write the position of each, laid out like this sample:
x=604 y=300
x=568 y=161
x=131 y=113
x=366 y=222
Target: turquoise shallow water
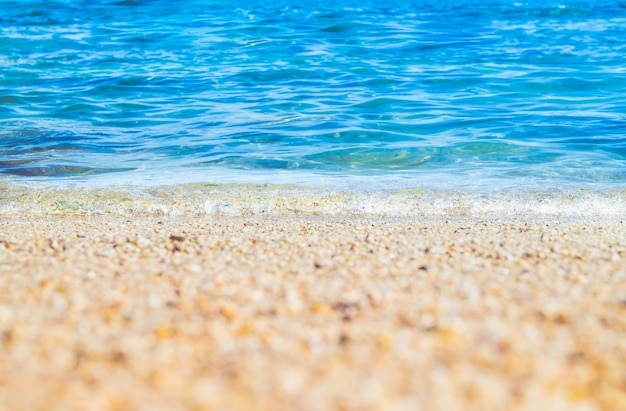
x=434 y=94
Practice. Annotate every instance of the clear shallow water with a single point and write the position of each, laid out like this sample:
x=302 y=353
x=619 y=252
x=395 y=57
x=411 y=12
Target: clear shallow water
x=437 y=94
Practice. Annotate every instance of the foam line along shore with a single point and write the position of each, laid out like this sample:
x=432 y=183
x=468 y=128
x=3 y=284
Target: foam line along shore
x=206 y=199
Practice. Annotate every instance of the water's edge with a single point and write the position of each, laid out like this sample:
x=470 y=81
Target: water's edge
x=202 y=199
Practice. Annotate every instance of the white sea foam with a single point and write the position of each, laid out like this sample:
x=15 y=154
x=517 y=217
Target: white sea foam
x=277 y=200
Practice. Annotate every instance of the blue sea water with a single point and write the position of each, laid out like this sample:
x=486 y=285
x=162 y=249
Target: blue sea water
x=386 y=93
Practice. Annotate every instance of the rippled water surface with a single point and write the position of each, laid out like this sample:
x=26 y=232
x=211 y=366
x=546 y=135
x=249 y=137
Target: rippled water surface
x=406 y=93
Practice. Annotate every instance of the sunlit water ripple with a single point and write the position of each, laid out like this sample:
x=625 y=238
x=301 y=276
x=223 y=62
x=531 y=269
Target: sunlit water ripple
x=396 y=93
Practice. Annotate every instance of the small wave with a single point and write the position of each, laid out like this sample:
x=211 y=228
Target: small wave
x=342 y=27
x=383 y=102
x=58 y=171
x=10 y=100
x=272 y=76
x=372 y=158
x=207 y=199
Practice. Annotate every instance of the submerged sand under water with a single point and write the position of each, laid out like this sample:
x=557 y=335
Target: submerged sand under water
x=217 y=312
x=208 y=199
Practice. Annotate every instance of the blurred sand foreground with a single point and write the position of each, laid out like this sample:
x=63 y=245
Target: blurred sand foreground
x=302 y=313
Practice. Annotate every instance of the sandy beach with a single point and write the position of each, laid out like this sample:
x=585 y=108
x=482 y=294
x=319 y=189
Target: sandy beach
x=341 y=205
x=312 y=313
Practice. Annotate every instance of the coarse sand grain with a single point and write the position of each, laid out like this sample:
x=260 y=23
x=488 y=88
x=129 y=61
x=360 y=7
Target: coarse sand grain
x=312 y=313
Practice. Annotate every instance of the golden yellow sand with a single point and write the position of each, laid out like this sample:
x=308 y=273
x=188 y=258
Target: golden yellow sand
x=302 y=313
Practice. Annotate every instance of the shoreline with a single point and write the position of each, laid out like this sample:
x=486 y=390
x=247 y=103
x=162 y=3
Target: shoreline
x=312 y=312
x=223 y=200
